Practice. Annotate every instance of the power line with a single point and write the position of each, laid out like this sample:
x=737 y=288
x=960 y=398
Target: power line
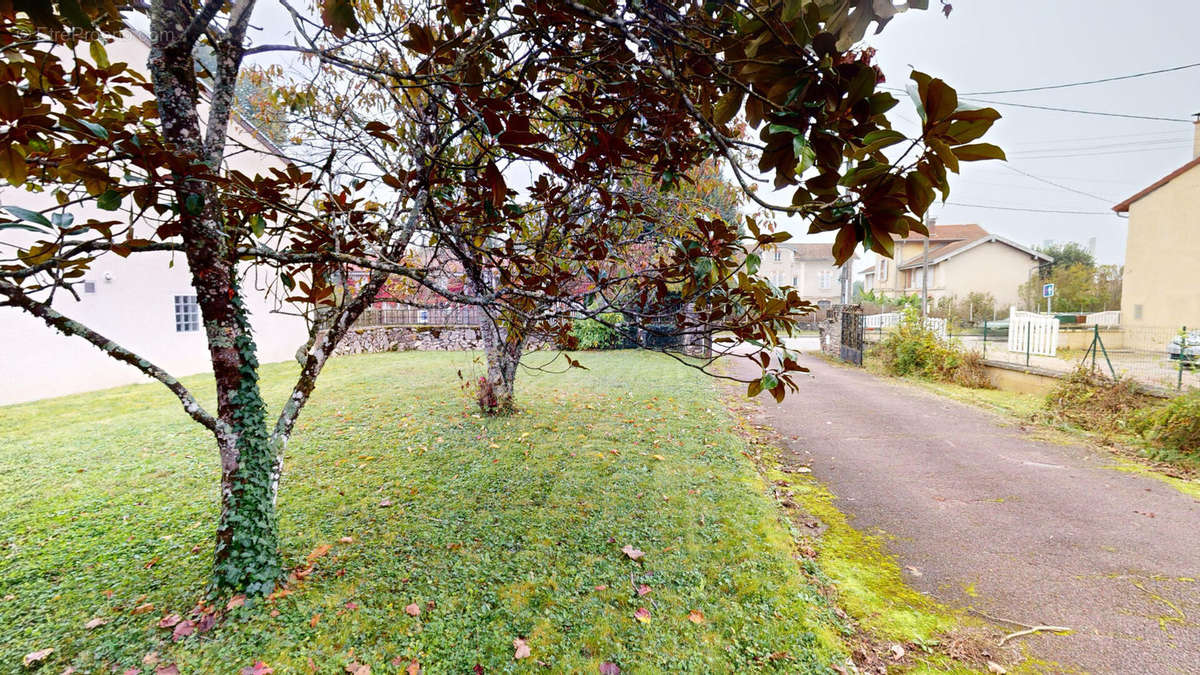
x=1151 y=135
x=1028 y=210
x=1010 y=167
x=1175 y=140
x=1066 y=110
x=1083 y=112
x=1080 y=84
x=1029 y=157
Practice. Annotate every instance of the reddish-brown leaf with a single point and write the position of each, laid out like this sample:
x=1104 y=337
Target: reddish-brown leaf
x=184 y=629
x=34 y=658
x=259 y=668
x=520 y=649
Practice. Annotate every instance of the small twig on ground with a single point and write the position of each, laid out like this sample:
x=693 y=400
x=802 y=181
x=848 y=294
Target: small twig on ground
x=997 y=618
x=1031 y=630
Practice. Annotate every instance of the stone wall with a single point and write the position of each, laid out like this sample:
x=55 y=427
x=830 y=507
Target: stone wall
x=410 y=338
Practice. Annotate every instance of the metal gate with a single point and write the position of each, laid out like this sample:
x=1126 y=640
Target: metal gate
x=852 y=337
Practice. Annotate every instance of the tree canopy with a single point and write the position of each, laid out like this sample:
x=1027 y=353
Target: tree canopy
x=428 y=113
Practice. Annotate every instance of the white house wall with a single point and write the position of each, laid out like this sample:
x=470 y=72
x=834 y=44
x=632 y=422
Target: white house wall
x=133 y=305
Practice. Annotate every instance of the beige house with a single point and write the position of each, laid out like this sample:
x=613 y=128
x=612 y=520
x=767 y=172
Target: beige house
x=962 y=259
x=1162 y=250
x=808 y=268
x=145 y=302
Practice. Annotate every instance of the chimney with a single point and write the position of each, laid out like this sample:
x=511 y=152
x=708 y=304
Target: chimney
x=1196 y=136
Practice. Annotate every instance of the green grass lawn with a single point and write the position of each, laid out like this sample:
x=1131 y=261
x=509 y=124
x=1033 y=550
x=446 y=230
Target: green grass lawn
x=495 y=528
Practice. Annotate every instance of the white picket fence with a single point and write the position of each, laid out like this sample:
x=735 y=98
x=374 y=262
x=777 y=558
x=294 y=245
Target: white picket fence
x=886 y=320
x=890 y=319
x=1104 y=319
x=1032 y=333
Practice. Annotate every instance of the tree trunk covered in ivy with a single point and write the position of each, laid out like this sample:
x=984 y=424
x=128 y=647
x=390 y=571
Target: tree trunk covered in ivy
x=247 y=547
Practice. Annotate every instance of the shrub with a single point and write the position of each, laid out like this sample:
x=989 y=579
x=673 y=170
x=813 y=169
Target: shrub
x=971 y=371
x=593 y=334
x=911 y=349
x=1095 y=402
x=1173 y=429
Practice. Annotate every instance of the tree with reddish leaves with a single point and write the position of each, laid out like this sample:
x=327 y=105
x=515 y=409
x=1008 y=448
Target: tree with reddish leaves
x=444 y=106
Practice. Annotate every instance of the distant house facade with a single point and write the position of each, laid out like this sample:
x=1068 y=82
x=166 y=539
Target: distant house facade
x=809 y=268
x=145 y=302
x=1162 y=250
x=962 y=259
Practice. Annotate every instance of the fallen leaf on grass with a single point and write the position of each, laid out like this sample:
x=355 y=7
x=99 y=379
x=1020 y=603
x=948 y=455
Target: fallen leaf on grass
x=385 y=503
x=412 y=609
x=660 y=458
x=632 y=552
x=643 y=590
x=358 y=669
x=642 y=614
x=996 y=668
x=346 y=540
x=33 y=658
x=696 y=616
x=897 y=652
x=521 y=650
x=236 y=601
x=414 y=668
x=184 y=629
x=150 y=659
x=316 y=619
x=142 y=609
x=318 y=552
x=95 y=623
x=609 y=668
x=351 y=606
x=169 y=621
x=478 y=669
x=602 y=587
x=169 y=669
x=259 y=668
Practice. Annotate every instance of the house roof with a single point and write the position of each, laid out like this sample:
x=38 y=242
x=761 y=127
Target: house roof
x=810 y=251
x=246 y=125
x=1123 y=207
x=948 y=233
x=868 y=270
x=957 y=247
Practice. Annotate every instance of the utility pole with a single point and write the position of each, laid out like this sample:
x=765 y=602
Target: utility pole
x=925 y=276
x=846 y=280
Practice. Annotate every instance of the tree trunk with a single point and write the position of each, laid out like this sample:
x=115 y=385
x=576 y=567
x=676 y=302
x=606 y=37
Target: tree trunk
x=247 y=551
x=503 y=346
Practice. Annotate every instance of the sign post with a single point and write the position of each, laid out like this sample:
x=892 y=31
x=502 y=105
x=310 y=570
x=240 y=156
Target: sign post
x=1048 y=293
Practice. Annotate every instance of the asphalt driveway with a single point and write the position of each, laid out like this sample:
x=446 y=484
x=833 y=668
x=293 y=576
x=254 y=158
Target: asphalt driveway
x=981 y=515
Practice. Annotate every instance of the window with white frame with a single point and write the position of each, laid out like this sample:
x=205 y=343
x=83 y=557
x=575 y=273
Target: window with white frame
x=825 y=279
x=187 y=314
x=778 y=255
x=883 y=269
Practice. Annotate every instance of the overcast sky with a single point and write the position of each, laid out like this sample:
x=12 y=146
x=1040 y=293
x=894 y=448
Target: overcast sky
x=989 y=45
